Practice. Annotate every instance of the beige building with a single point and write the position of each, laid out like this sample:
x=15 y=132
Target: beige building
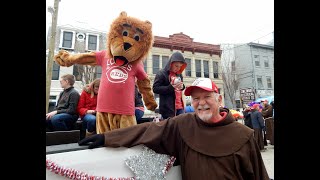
x=204 y=60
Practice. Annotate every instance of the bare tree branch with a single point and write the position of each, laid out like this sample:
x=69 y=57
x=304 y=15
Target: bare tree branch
x=229 y=76
x=86 y=74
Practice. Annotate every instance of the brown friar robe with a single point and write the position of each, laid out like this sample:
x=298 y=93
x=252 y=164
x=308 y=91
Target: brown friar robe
x=267 y=113
x=225 y=150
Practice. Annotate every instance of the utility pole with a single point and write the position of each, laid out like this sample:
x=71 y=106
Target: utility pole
x=54 y=14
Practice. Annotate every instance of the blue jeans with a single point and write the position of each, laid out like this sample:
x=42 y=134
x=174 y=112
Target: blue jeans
x=138 y=114
x=62 y=122
x=179 y=111
x=89 y=122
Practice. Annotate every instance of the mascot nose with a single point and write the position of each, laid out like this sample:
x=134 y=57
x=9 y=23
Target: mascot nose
x=127 y=46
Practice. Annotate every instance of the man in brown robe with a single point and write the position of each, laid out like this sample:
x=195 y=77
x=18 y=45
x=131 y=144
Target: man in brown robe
x=267 y=112
x=208 y=144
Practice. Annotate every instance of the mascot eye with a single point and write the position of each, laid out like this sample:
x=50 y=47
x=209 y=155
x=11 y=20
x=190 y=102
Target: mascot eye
x=125 y=33
x=136 y=37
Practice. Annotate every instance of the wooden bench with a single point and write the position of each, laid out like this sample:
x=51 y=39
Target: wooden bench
x=143 y=120
x=73 y=136
x=62 y=137
x=64 y=148
x=78 y=126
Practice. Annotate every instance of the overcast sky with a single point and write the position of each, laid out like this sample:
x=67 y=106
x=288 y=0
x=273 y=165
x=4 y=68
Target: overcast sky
x=206 y=21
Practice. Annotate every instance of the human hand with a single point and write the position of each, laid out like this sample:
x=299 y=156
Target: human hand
x=91 y=112
x=96 y=140
x=50 y=114
x=179 y=85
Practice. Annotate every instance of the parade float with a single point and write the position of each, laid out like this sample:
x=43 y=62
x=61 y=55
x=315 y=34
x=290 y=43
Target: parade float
x=106 y=163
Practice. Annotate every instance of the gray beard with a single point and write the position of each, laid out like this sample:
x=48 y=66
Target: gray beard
x=205 y=117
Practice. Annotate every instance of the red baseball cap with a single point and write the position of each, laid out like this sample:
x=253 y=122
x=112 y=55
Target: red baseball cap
x=203 y=83
x=255 y=106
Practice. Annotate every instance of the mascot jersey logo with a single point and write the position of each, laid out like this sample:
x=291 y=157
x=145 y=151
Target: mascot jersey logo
x=117 y=74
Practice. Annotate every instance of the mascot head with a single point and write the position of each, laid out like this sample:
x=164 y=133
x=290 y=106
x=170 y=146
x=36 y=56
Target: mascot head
x=129 y=39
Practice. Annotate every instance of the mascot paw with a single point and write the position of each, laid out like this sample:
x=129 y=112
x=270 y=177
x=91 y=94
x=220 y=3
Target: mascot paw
x=152 y=106
x=62 y=58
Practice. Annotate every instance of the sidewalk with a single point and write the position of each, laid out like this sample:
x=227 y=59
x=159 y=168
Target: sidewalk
x=268 y=159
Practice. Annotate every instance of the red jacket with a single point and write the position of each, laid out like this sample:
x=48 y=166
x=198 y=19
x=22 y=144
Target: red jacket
x=86 y=103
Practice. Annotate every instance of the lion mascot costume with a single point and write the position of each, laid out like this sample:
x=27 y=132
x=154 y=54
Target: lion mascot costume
x=128 y=44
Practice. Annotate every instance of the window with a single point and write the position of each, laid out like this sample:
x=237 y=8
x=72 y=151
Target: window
x=259 y=80
x=206 y=69
x=269 y=83
x=52 y=103
x=257 y=62
x=155 y=64
x=98 y=71
x=165 y=60
x=188 y=69
x=216 y=69
x=233 y=66
x=238 y=104
x=77 y=71
x=198 y=68
x=266 y=62
x=92 y=42
x=67 y=39
x=55 y=71
x=52 y=97
x=145 y=65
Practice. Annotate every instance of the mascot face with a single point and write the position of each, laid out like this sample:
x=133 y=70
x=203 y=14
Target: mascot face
x=129 y=39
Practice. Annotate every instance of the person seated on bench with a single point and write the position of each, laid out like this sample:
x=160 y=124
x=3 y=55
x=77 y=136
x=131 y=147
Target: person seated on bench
x=64 y=116
x=87 y=107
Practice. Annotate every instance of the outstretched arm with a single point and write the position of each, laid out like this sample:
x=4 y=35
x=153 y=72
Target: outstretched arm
x=162 y=137
x=64 y=58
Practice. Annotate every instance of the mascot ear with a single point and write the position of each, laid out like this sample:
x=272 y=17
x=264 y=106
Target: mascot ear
x=123 y=14
x=148 y=23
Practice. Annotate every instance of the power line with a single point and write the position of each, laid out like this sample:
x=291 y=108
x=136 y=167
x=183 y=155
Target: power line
x=236 y=46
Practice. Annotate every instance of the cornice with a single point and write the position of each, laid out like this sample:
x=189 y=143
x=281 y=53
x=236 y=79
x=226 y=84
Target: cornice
x=180 y=41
